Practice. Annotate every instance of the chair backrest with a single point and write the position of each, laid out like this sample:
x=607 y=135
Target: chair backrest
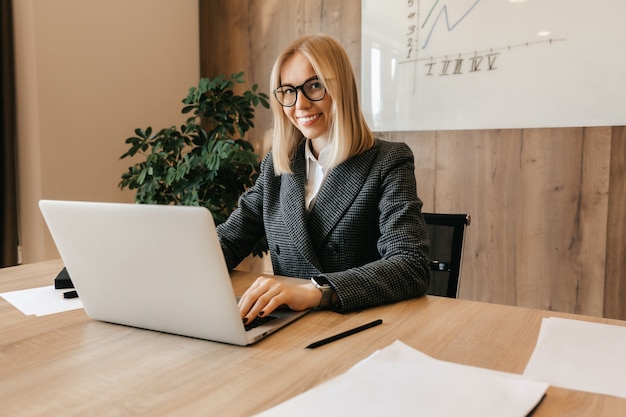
x=446 y=232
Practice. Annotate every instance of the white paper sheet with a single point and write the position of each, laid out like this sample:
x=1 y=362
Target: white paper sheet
x=42 y=301
x=580 y=355
x=401 y=381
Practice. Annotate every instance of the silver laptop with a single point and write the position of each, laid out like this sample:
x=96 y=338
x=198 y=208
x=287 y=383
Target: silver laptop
x=152 y=266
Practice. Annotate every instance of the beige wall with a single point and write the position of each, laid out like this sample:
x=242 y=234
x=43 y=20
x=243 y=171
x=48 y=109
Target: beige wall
x=88 y=73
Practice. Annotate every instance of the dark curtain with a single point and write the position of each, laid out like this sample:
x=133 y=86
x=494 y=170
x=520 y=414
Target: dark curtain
x=8 y=188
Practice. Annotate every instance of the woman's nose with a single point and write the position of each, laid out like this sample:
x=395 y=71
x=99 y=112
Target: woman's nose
x=302 y=102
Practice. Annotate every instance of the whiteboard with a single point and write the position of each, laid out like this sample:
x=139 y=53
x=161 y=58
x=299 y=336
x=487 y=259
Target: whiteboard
x=490 y=64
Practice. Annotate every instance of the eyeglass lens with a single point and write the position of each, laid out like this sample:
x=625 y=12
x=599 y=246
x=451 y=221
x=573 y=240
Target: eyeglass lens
x=287 y=95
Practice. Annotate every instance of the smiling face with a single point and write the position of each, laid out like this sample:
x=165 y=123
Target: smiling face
x=312 y=118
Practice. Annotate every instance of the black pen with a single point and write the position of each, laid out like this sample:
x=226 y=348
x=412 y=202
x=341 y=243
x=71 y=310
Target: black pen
x=344 y=334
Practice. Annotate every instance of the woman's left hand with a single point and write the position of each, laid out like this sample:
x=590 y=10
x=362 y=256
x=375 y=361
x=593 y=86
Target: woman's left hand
x=267 y=294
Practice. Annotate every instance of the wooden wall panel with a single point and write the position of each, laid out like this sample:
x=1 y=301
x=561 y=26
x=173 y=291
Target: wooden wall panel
x=615 y=284
x=478 y=173
x=545 y=203
x=548 y=237
x=225 y=44
x=592 y=222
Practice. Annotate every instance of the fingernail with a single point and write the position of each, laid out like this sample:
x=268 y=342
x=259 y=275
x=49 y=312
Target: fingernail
x=245 y=320
x=261 y=314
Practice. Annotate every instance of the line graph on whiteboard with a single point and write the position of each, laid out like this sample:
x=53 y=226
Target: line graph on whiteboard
x=449 y=15
x=430 y=24
x=438 y=15
x=477 y=64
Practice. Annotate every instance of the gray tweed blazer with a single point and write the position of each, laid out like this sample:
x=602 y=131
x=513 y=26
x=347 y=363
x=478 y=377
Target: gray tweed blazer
x=366 y=232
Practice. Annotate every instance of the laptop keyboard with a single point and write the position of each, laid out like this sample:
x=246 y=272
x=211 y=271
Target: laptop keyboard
x=259 y=321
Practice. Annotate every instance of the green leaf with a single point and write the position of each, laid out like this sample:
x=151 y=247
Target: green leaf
x=142 y=176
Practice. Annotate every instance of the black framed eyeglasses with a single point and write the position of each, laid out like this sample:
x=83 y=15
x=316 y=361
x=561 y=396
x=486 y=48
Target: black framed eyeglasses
x=313 y=89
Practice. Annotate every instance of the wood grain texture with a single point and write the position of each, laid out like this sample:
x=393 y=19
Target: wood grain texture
x=615 y=284
x=548 y=226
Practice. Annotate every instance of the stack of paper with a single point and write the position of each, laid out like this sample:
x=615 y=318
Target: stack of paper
x=401 y=381
x=580 y=355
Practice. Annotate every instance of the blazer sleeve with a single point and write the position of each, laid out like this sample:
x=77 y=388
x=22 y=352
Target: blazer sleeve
x=244 y=227
x=403 y=270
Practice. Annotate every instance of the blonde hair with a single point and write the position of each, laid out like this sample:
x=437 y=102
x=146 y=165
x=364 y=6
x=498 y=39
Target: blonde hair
x=349 y=134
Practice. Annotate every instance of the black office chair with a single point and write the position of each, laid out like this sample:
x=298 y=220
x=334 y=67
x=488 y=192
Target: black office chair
x=446 y=232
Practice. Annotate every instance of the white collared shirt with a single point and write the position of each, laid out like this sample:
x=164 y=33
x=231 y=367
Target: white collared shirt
x=315 y=174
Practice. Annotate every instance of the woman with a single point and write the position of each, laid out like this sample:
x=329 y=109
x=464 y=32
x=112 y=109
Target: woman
x=336 y=204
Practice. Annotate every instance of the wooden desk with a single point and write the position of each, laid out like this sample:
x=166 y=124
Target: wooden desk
x=67 y=364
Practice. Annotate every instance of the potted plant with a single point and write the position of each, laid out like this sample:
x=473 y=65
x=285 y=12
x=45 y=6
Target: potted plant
x=206 y=162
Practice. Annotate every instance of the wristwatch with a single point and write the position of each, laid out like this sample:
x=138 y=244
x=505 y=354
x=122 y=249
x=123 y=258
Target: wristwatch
x=328 y=292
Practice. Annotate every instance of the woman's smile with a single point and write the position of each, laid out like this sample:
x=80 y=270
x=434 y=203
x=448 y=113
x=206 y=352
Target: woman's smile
x=309 y=120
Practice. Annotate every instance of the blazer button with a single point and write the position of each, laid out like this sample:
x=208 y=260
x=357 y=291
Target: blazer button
x=332 y=248
x=277 y=250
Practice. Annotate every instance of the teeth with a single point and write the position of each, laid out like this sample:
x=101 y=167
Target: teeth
x=308 y=118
